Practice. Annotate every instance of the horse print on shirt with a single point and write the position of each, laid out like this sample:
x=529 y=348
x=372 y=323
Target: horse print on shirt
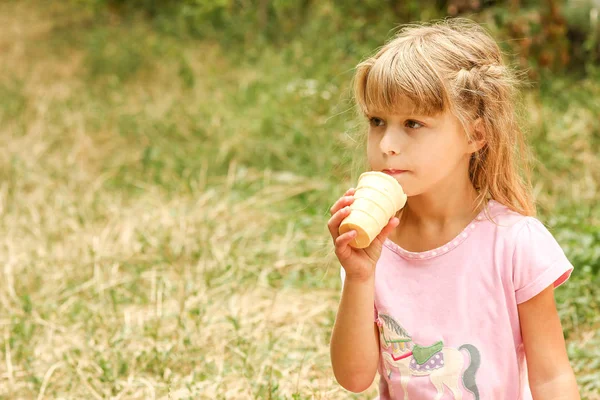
x=443 y=365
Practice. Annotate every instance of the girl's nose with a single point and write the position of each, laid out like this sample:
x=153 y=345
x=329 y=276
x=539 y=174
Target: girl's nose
x=390 y=143
x=390 y=152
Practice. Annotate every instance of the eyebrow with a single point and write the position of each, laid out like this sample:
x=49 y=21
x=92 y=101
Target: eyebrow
x=408 y=116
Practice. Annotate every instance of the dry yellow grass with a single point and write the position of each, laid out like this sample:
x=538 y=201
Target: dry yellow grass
x=108 y=294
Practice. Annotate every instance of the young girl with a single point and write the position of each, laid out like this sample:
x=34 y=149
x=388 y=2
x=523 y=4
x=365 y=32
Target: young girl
x=454 y=299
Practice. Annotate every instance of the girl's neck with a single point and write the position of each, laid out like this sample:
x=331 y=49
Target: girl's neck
x=440 y=211
x=452 y=203
x=429 y=221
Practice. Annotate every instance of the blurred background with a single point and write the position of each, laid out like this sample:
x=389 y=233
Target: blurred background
x=166 y=174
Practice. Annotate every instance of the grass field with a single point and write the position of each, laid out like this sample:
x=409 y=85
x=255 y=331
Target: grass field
x=164 y=201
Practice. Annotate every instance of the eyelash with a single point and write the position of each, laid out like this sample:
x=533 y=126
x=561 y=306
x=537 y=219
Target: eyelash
x=373 y=123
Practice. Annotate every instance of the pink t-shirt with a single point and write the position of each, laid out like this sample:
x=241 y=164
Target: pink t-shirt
x=448 y=317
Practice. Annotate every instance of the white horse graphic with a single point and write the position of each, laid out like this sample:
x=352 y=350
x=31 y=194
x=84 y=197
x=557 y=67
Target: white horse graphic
x=443 y=365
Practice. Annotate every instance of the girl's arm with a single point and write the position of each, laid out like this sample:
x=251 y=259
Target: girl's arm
x=550 y=373
x=355 y=339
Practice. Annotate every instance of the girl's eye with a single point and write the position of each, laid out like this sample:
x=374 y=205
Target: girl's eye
x=412 y=124
x=374 y=121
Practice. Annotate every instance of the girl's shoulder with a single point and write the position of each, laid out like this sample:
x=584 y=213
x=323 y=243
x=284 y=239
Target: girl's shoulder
x=518 y=232
x=514 y=230
x=503 y=220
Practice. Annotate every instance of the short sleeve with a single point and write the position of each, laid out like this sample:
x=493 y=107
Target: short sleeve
x=538 y=261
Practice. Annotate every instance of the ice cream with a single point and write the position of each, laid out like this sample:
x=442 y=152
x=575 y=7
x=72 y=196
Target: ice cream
x=377 y=198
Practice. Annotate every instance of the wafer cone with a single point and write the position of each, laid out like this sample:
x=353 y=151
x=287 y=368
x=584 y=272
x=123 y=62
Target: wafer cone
x=377 y=198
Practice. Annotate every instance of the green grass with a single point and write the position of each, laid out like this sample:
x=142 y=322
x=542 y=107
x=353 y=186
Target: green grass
x=164 y=205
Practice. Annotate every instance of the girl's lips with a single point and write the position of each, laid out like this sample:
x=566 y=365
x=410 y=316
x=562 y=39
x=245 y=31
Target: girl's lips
x=393 y=171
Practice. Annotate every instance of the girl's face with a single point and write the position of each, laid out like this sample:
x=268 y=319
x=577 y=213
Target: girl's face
x=426 y=149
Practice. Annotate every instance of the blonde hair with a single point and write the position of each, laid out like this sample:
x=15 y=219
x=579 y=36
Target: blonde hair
x=456 y=65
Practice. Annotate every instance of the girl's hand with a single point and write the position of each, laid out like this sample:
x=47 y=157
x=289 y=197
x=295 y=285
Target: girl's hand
x=359 y=264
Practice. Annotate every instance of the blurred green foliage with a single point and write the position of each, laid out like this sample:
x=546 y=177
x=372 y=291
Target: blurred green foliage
x=549 y=35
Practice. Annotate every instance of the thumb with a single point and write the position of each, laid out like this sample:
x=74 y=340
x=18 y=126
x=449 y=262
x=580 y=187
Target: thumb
x=374 y=250
x=392 y=224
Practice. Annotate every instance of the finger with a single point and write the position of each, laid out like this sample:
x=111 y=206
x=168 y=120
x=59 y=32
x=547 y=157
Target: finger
x=340 y=203
x=350 y=192
x=334 y=222
x=342 y=244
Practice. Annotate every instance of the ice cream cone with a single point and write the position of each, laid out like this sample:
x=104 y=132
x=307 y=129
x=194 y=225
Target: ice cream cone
x=377 y=198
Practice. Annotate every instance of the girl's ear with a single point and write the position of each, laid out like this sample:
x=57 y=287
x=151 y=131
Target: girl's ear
x=477 y=136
